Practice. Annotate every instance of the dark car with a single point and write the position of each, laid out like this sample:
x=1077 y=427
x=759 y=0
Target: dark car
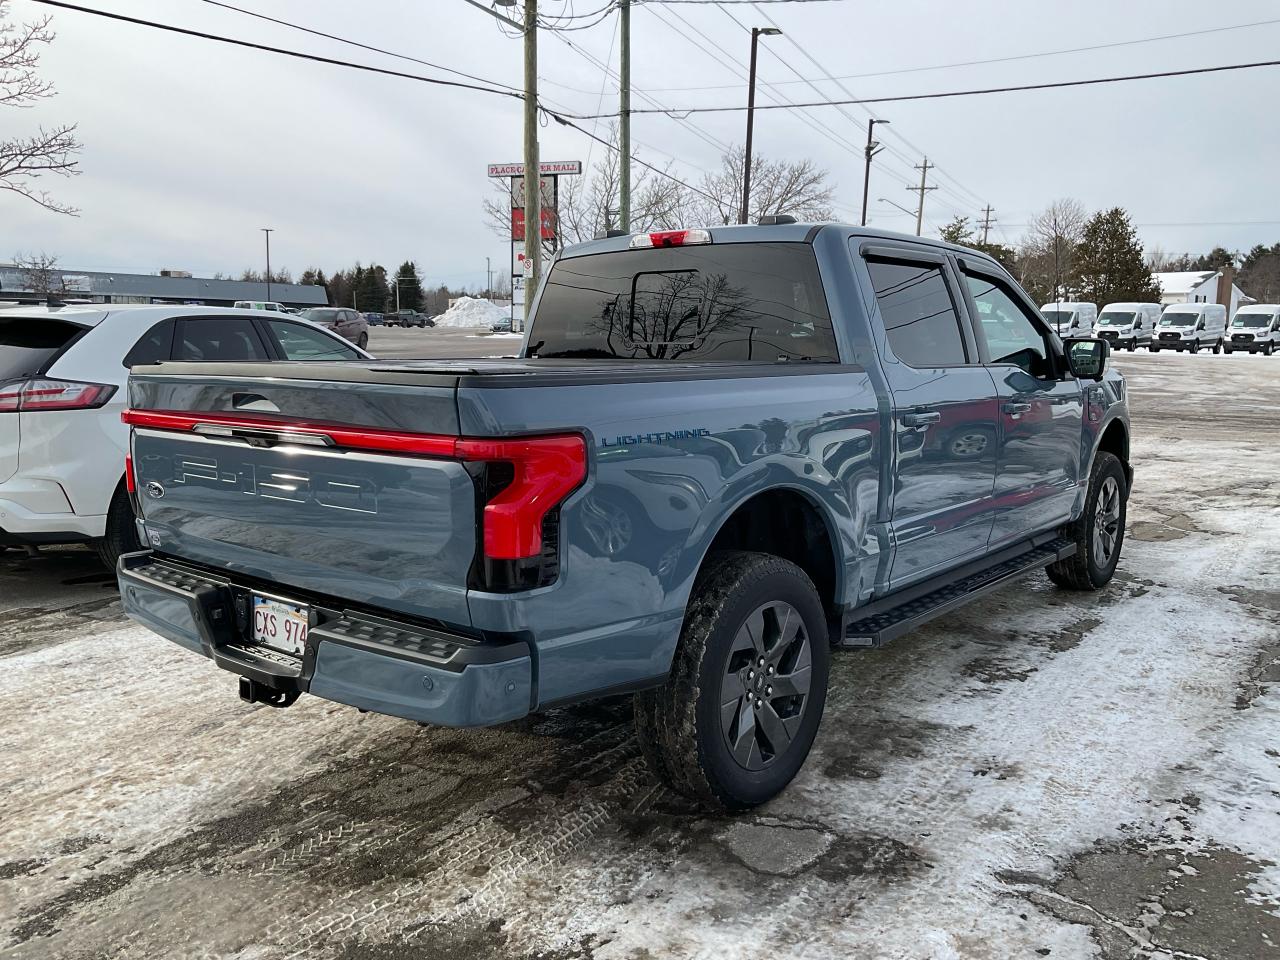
x=343 y=321
x=410 y=318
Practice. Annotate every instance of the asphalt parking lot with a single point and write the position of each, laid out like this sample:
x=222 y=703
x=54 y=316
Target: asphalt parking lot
x=1041 y=775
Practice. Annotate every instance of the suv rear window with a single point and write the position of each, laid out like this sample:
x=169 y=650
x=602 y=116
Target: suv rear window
x=732 y=303
x=28 y=343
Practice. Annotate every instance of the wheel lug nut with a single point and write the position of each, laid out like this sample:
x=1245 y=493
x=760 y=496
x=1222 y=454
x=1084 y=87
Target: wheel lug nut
x=770 y=671
x=751 y=674
x=761 y=661
x=768 y=691
x=757 y=704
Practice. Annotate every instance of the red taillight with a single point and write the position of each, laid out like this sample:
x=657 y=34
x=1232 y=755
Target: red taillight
x=35 y=395
x=547 y=469
x=671 y=238
x=130 y=484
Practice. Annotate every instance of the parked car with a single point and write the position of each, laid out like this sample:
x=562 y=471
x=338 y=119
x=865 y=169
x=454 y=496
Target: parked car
x=501 y=326
x=692 y=484
x=343 y=321
x=1190 y=326
x=375 y=319
x=1128 y=324
x=1255 y=328
x=410 y=318
x=1071 y=319
x=62 y=389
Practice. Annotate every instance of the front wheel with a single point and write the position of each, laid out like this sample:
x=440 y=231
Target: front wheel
x=735 y=720
x=1153 y=349
x=1133 y=345
x=1217 y=346
x=1099 y=532
x=1195 y=346
x=1266 y=351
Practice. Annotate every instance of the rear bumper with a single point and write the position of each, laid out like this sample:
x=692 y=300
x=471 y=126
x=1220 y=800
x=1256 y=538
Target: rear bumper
x=394 y=667
x=38 y=511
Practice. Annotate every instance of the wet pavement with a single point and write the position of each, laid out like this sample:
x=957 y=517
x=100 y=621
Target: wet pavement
x=1043 y=774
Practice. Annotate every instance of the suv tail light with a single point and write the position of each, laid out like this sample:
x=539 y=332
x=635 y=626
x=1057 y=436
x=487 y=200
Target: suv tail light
x=671 y=238
x=32 y=395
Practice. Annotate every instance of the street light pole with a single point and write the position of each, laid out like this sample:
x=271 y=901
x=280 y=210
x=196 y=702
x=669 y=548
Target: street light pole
x=268 y=231
x=756 y=34
x=488 y=278
x=871 y=150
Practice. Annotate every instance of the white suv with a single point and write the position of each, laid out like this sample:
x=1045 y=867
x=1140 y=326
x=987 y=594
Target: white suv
x=62 y=388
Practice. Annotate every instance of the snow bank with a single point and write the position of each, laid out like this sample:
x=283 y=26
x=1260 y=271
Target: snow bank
x=471 y=312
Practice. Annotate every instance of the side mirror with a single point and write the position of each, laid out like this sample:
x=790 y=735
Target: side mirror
x=1087 y=357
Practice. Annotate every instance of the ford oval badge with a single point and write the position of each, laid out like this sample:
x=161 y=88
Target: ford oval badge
x=154 y=490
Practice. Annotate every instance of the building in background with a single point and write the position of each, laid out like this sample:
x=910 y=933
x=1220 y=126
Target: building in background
x=169 y=286
x=1202 y=286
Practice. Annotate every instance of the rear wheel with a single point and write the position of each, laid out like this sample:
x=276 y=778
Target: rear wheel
x=1217 y=346
x=122 y=532
x=362 y=341
x=1099 y=533
x=736 y=718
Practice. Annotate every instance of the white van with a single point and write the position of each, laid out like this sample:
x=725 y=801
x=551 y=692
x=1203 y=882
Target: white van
x=1128 y=324
x=1070 y=319
x=1190 y=326
x=261 y=305
x=1255 y=328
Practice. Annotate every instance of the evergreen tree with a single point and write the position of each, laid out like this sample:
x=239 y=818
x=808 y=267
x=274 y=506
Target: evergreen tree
x=1260 y=273
x=1215 y=259
x=958 y=231
x=1109 y=261
x=410 y=286
x=371 y=289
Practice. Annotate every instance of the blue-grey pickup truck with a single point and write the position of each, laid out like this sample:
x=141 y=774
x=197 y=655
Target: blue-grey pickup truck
x=719 y=455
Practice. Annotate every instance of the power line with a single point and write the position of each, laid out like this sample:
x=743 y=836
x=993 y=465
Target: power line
x=282 y=51
x=353 y=43
x=1005 y=59
x=367 y=68
x=954 y=93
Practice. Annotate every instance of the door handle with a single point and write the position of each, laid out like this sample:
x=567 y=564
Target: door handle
x=1015 y=407
x=922 y=418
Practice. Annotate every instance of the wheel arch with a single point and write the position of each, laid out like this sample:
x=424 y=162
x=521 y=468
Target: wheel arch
x=789 y=522
x=1114 y=439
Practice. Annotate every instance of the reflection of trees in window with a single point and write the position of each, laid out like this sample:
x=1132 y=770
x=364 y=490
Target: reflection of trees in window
x=672 y=314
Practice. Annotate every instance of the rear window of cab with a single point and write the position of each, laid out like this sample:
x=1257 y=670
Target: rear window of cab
x=731 y=303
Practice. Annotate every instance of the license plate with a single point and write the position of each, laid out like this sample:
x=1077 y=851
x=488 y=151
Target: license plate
x=280 y=625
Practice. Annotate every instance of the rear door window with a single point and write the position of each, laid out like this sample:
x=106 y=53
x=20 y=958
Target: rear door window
x=919 y=315
x=28 y=344
x=298 y=342
x=210 y=339
x=731 y=303
x=156 y=345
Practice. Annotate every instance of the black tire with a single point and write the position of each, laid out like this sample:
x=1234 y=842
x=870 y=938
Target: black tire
x=1227 y=350
x=362 y=341
x=1084 y=570
x=1153 y=349
x=683 y=725
x=122 y=533
x=1268 y=349
x=1195 y=347
x=1217 y=346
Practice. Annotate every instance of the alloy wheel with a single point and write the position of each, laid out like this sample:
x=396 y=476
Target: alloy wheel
x=1106 y=522
x=765 y=688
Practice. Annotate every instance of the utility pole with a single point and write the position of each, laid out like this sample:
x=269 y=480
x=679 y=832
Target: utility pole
x=624 y=118
x=922 y=190
x=488 y=278
x=871 y=150
x=268 y=231
x=532 y=169
x=986 y=221
x=756 y=34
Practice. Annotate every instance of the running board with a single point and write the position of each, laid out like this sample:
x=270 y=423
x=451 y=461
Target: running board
x=879 y=628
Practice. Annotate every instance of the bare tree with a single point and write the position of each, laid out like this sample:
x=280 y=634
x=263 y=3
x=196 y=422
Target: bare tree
x=1048 y=252
x=25 y=159
x=37 y=272
x=799 y=188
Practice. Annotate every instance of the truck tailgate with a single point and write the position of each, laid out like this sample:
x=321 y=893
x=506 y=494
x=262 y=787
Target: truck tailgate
x=303 y=484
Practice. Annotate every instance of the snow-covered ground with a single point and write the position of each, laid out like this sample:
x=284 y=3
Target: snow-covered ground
x=1043 y=774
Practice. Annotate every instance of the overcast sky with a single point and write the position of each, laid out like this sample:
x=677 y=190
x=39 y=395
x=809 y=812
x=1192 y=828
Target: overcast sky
x=191 y=146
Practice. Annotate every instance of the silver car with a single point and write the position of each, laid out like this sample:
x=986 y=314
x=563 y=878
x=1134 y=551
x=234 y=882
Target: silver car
x=343 y=321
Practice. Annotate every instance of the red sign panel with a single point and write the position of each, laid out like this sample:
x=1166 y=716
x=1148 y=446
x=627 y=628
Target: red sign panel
x=548 y=224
